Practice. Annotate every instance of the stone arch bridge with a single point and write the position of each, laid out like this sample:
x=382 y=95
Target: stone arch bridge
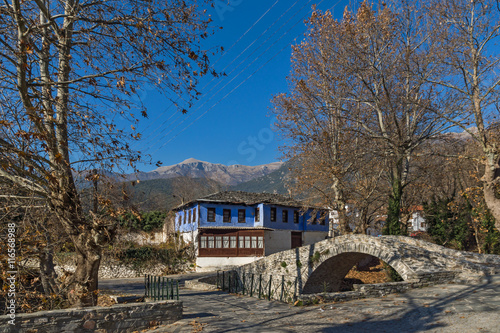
x=321 y=267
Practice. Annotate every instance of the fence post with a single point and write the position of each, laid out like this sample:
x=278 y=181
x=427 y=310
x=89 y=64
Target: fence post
x=251 y=285
x=282 y=287
x=243 y=285
x=162 y=288
x=229 y=282
x=172 y=288
x=295 y=290
x=154 y=288
x=177 y=288
x=218 y=279
x=270 y=285
x=260 y=285
x=159 y=287
x=223 y=282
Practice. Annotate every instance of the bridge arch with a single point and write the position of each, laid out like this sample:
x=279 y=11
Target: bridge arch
x=333 y=258
x=327 y=273
x=322 y=266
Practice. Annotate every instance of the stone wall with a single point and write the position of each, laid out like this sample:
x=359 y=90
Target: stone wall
x=374 y=290
x=118 y=318
x=111 y=268
x=360 y=290
x=116 y=270
x=311 y=267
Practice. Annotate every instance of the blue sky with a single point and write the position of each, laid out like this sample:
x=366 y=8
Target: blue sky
x=231 y=122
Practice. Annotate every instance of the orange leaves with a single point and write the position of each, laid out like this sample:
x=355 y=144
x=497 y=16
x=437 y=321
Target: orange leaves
x=120 y=84
x=193 y=55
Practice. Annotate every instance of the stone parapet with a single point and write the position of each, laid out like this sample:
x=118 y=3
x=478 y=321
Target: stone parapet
x=121 y=318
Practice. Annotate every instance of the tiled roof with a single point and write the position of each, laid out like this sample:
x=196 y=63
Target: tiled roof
x=247 y=198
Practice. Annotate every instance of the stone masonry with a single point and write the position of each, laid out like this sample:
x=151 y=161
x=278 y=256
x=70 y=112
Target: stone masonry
x=320 y=267
x=114 y=319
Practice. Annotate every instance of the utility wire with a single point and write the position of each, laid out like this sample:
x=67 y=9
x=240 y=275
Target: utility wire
x=246 y=79
x=241 y=63
x=151 y=138
x=222 y=55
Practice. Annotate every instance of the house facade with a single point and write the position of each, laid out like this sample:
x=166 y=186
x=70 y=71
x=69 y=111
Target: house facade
x=235 y=228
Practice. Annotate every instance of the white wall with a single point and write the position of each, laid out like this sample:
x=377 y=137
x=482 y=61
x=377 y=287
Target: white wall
x=189 y=236
x=210 y=264
x=277 y=240
x=418 y=222
x=310 y=237
x=144 y=238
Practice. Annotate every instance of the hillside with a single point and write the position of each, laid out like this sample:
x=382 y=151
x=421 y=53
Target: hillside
x=271 y=183
x=193 y=168
x=165 y=194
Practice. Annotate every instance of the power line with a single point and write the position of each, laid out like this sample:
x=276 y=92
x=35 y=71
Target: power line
x=225 y=96
x=243 y=61
x=151 y=138
x=226 y=52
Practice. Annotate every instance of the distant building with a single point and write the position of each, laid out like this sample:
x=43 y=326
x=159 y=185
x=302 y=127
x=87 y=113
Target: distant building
x=417 y=221
x=235 y=228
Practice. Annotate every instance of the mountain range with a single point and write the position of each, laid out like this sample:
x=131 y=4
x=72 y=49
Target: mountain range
x=193 y=168
x=169 y=186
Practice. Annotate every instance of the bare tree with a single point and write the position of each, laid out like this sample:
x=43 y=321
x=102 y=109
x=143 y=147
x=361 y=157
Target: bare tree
x=468 y=33
x=359 y=92
x=68 y=71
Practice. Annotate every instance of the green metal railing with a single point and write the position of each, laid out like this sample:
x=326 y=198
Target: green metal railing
x=161 y=288
x=257 y=285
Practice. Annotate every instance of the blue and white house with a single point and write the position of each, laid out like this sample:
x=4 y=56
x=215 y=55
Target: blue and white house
x=235 y=228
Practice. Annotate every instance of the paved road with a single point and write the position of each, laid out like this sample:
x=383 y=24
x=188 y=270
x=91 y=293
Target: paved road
x=443 y=308
x=135 y=286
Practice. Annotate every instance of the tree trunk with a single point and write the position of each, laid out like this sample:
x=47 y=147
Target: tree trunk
x=393 y=224
x=82 y=286
x=491 y=181
x=48 y=274
x=84 y=283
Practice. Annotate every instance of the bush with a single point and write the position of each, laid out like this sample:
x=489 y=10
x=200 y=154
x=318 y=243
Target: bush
x=147 y=256
x=146 y=221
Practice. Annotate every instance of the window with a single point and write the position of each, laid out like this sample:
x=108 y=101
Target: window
x=226 y=215
x=295 y=216
x=194 y=215
x=284 y=217
x=422 y=225
x=203 y=242
x=273 y=214
x=211 y=214
x=241 y=215
x=189 y=218
x=322 y=219
x=231 y=243
x=257 y=214
x=315 y=219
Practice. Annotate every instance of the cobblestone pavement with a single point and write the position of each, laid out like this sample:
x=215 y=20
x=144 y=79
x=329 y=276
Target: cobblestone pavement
x=442 y=308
